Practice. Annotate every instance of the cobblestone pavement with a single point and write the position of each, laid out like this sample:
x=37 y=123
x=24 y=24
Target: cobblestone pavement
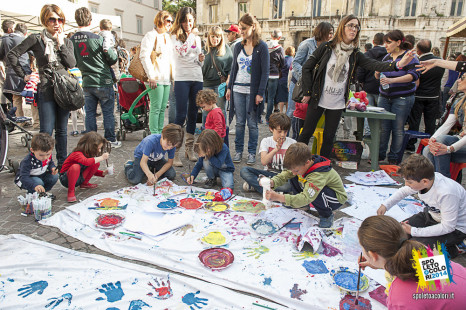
x=12 y=222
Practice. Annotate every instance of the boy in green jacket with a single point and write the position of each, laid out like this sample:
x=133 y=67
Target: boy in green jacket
x=313 y=180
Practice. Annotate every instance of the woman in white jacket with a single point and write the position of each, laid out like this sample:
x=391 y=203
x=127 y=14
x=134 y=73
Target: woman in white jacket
x=158 y=72
x=188 y=59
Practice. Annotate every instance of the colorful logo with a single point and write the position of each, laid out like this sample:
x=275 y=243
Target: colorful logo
x=433 y=267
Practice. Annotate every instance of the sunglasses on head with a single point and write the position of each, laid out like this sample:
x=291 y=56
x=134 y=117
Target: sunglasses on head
x=55 y=20
x=169 y=20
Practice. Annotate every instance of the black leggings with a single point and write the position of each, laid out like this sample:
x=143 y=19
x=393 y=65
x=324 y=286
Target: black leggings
x=332 y=119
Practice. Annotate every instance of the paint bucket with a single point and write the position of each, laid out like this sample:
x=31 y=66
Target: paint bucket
x=42 y=208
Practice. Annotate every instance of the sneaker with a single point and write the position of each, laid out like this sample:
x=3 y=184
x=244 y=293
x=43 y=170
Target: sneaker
x=247 y=187
x=72 y=198
x=129 y=163
x=232 y=131
x=210 y=183
x=88 y=185
x=116 y=144
x=237 y=158
x=326 y=222
x=251 y=159
x=74 y=133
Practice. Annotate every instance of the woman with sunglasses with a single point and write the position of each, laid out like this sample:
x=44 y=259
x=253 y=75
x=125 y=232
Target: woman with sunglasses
x=327 y=75
x=49 y=47
x=188 y=61
x=396 y=95
x=443 y=148
x=158 y=72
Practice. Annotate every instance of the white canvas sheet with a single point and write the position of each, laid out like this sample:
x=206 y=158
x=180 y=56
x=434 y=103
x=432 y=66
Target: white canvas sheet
x=365 y=200
x=40 y=275
x=268 y=266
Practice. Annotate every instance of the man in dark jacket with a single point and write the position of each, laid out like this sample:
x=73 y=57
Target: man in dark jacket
x=14 y=85
x=277 y=62
x=426 y=99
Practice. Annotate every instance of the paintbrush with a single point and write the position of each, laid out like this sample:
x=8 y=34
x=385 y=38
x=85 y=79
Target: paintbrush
x=359 y=279
x=287 y=223
x=154 y=182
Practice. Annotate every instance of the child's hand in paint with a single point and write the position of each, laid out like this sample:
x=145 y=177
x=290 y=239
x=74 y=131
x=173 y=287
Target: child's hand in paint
x=54 y=171
x=151 y=179
x=190 y=179
x=364 y=263
x=39 y=189
x=382 y=209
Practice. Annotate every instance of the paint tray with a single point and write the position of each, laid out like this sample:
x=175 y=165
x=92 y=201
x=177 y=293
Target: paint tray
x=346 y=279
x=216 y=258
x=216 y=237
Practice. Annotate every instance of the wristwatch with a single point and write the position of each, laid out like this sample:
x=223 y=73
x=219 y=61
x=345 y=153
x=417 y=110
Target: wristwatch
x=449 y=149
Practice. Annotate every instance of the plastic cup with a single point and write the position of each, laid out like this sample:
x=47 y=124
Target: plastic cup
x=110 y=169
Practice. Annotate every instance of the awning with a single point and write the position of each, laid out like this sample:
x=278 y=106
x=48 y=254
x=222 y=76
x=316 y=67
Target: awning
x=28 y=11
x=458 y=29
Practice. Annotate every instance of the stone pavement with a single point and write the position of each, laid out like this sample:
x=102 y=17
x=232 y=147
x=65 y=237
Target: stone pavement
x=12 y=222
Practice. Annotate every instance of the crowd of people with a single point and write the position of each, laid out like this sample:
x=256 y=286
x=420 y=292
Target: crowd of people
x=235 y=70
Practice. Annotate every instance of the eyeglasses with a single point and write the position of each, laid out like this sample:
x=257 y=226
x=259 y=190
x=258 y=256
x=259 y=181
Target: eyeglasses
x=54 y=20
x=353 y=27
x=169 y=21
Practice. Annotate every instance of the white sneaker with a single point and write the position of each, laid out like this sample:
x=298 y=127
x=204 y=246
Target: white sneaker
x=247 y=187
x=232 y=131
x=116 y=144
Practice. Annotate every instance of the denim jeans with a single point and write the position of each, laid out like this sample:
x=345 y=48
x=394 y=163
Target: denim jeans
x=213 y=172
x=242 y=115
x=47 y=180
x=135 y=175
x=401 y=107
x=442 y=162
x=185 y=94
x=158 y=102
x=220 y=103
x=272 y=87
x=250 y=175
x=291 y=106
x=106 y=97
x=53 y=117
x=172 y=105
x=373 y=99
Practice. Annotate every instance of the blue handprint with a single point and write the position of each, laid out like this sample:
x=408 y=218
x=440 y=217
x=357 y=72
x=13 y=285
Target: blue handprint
x=29 y=289
x=55 y=301
x=112 y=291
x=137 y=305
x=191 y=300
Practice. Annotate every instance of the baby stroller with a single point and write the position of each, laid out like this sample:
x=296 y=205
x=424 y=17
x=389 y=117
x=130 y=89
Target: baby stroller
x=8 y=122
x=134 y=103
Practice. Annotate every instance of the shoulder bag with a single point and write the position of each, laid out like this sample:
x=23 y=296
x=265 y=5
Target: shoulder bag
x=223 y=86
x=136 y=68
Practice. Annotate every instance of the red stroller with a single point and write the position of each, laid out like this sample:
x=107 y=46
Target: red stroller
x=134 y=107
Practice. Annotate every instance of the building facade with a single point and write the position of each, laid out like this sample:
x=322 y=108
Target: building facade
x=425 y=19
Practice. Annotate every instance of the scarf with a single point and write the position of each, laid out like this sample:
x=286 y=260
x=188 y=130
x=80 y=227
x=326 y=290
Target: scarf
x=49 y=43
x=342 y=51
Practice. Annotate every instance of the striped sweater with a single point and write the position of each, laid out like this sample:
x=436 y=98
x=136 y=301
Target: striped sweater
x=400 y=89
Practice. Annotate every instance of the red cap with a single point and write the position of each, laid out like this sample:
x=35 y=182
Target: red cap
x=233 y=28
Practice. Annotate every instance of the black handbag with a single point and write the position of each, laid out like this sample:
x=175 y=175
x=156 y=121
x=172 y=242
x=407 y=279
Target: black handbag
x=67 y=92
x=297 y=95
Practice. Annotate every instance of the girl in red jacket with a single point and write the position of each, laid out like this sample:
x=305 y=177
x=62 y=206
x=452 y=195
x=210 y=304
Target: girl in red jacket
x=83 y=163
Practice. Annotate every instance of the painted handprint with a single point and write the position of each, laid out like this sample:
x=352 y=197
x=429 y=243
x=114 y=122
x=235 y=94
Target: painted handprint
x=297 y=292
x=220 y=214
x=55 y=301
x=191 y=300
x=234 y=221
x=137 y=305
x=112 y=291
x=32 y=288
x=304 y=255
x=257 y=252
x=285 y=235
x=162 y=289
x=183 y=230
x=239 y=234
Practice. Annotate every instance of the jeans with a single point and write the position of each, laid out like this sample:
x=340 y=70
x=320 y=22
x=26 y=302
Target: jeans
x=373 y=99
x=430 y=109
x=242 y=115
x=291 y=106
x=250 y=175
x=213 y=172
x=53 y=117
x=332 y=120
x=220 y=103
x=135 y=175
x=401 y=107
x=296 y=124
x=158 y=102
x=272 y=87
x=172 y=106
x=445 y=97
x=442 y=162
x=106 y=97
x=185 y=94
x=47 y=180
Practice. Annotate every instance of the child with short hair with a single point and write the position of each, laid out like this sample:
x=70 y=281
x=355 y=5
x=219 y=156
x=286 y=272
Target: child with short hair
x=149 y=161
x=385 y=245
x=37 y=171
x=106 y=33
x=444 y=217
x=83 y=163
x=206 y=99
x=313 y=180
x=272 y=150
x=215 y=157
